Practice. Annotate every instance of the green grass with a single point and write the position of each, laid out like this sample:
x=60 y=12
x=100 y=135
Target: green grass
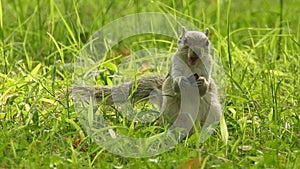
x=258 y=43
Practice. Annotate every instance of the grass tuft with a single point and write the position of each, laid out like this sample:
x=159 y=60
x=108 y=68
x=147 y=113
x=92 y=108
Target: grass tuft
x=256 y=41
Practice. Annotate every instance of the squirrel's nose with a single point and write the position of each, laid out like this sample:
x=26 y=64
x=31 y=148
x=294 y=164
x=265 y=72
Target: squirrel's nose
x=193 y=54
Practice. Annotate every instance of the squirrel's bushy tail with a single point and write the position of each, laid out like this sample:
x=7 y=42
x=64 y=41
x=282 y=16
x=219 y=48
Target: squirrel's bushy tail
x=134 y=91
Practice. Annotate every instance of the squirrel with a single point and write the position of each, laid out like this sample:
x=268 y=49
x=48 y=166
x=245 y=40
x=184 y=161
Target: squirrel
x=191 y=65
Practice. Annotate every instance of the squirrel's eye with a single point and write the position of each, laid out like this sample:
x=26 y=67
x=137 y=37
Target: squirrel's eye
x=207 y=42
x=185 y=42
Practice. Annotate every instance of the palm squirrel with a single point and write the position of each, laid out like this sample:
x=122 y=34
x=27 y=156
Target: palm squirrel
x=191 y=65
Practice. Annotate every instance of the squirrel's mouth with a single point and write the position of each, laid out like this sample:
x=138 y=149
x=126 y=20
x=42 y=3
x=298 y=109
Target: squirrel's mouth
x=193 y=58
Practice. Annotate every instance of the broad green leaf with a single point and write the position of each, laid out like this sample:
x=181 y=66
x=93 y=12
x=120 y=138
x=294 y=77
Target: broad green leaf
x=224 y=131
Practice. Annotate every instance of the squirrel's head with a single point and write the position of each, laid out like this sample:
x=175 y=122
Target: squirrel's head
x=194 y=50
x=195 y=43
x=193 y=38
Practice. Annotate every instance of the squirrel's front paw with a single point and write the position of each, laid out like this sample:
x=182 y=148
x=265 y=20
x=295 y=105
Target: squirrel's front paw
x=203 y=85
x=201 y=81
x=181 y=83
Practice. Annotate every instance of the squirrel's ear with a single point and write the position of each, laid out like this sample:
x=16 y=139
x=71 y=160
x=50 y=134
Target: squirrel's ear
x=183 y=31
x=206 y=32
x=182 y=39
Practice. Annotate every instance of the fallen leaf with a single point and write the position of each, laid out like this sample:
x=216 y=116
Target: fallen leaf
x=192 y=164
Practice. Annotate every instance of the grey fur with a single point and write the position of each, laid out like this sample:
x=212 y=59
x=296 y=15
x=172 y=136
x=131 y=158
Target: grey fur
x=192 y=58
x=191 y=64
